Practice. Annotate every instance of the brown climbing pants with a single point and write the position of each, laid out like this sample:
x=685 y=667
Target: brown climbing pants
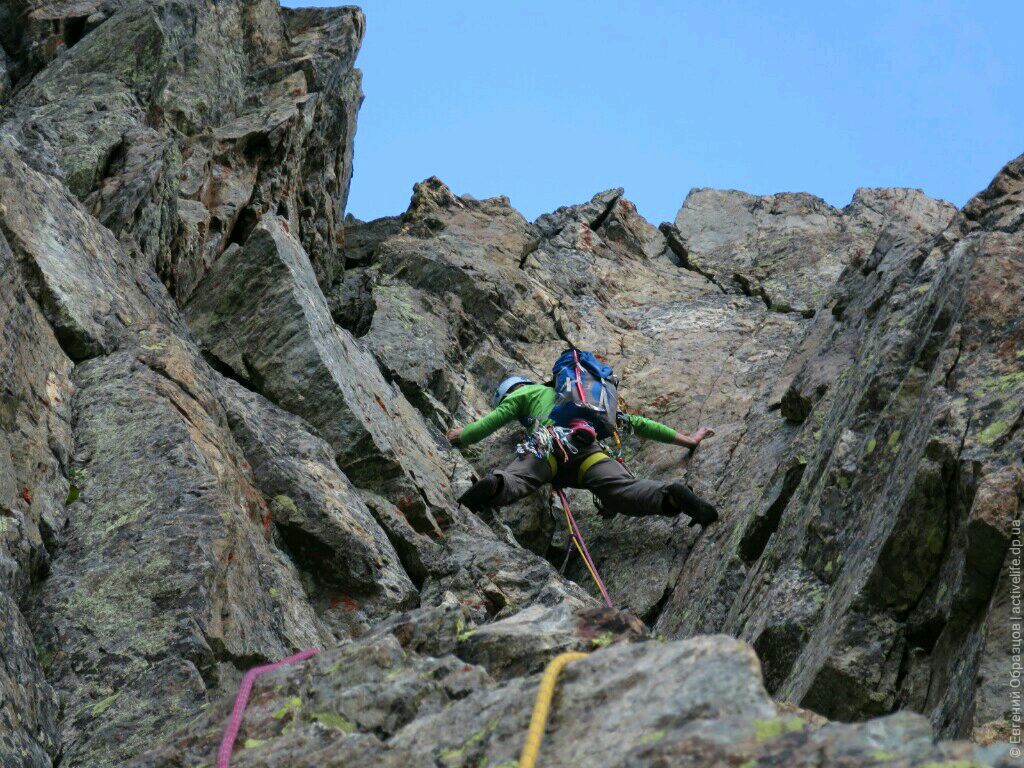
x=614 y=486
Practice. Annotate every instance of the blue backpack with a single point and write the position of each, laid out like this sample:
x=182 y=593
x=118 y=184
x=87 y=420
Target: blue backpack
x=585 y=388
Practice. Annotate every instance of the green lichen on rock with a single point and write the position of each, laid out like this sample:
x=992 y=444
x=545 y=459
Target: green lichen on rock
x=110 y=603
x=286 y=504
x=1001 y=384
x=462 y=631
x=44 y=655
x=892 y=444
x=76 y=478
x=652 y=737
x=334 y=720
x=993 y=432
x=292 y=704
x=765 y=730
x=453 y=756
x=603 y=640
x=103 y=705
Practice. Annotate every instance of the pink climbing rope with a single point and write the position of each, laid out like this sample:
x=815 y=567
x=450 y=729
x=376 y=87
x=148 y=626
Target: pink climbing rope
x=579 y=376
x=574 y=533
x=227 y=744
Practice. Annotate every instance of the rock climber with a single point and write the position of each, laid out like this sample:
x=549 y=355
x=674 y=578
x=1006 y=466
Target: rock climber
x=572 y=456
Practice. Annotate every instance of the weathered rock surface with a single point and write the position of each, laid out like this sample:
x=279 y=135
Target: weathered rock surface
x=5 y=76
x=692 y=702
x=181 y=124
x=261 y=314
x=35 y=451
x=222 y=409
x=318 y=514
x=164 y=569
x=685 y=343
x=864 y=574
x=790 y=249
x=88 y=287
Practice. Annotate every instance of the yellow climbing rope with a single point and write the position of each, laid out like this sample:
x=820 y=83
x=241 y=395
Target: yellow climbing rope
x=542 y=707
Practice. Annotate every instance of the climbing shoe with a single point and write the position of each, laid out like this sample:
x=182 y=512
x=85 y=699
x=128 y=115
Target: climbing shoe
x=681 y=499
x=480 y=493
x=603 y=511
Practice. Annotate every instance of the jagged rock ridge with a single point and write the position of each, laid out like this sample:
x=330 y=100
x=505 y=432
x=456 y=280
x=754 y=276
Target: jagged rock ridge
x=221 y=435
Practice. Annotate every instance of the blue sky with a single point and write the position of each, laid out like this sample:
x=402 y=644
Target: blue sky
x=550 y=102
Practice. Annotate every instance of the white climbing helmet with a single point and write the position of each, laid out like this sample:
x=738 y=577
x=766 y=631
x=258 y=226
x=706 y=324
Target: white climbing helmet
x=506 y=384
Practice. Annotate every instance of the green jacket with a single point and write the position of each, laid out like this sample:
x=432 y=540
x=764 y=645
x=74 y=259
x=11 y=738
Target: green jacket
x=536 y=401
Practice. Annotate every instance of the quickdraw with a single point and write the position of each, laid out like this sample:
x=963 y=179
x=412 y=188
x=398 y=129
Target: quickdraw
x=545 y=440
x=623 y=423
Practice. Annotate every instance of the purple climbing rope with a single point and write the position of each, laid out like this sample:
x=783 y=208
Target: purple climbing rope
x=577 y=537
x=227 y=744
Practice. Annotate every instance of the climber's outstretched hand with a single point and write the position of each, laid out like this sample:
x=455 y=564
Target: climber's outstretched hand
x=692 y=441
x=455 y=435
x=702 y=433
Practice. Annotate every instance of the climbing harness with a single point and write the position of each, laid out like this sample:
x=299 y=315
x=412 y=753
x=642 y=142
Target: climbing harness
x=547 y=442
x=587 y=463
x=542 y=707
x=577 y=538
x=543 y=443
x=227 y=744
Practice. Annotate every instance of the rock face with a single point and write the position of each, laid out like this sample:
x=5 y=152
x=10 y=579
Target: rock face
x=5 y=76
x=222 y=416
x=690 y=703
x=866 y=572
x=790 y=249
x=181 y=124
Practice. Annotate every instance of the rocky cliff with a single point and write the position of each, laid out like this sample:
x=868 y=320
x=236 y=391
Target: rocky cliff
x=222 y=408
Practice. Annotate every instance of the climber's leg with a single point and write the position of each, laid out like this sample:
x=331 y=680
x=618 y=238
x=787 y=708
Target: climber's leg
x=506 y=486
x=619 y=492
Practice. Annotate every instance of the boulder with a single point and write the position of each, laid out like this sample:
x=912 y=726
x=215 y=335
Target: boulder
x=261 y=314
x=692 y=702
x=167 y=579
x=789 y=249
x=318 y=514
